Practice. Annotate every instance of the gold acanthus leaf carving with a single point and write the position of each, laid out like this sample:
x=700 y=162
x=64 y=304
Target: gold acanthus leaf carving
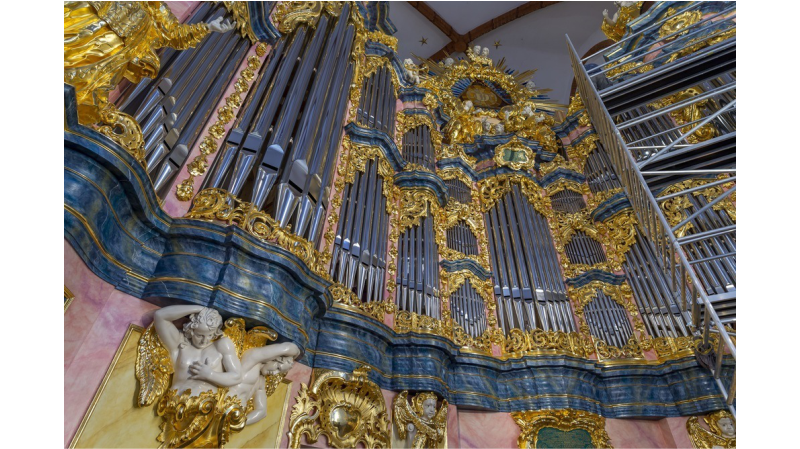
x=415 y=203
x=719 y=436
x=429 y=430
x=376 y=309
x=406 y=321
x=348 y=409
x=219 y=204
x=614 y=28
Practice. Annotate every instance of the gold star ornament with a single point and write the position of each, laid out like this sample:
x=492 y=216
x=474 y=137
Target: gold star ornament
x=423 y=41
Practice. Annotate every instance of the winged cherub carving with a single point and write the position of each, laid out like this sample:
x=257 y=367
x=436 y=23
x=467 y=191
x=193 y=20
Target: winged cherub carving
x=722 y=434
x=207 y=380
x=420 y=425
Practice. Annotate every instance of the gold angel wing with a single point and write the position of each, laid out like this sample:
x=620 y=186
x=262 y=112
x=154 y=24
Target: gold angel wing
x=259 y=336
x=153 y=367
x=402 y=414
x=234 y=329
x=440 y=419
x=702 y=438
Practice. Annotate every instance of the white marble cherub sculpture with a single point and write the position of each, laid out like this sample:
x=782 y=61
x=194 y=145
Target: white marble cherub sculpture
x=205 y=365
x=421 y=426
x=499 y=128
x=449 y=61
x=722 y=434
x=411 y=71
x=485 y=52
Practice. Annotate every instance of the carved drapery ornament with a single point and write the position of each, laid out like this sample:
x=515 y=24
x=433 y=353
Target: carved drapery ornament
x=420 y=422
x=347 y=408
x=567 y=420
x=722 y=434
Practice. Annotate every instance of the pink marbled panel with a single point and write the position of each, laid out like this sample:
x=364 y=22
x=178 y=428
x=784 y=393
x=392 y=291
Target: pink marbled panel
x=182 y=10
x=453 y=439
x=486 y=429
x=298 y=374
x=574 y=133
x=94 y=356
x=172 y=205
x=635 y=433
x=90 y=297
x=677 y=429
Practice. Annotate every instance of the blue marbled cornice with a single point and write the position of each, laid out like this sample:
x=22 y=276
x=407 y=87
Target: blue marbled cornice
x=451 y=266
x=611 y=207
x=409 y=94
x=484 y=145
x=595 y=275
x=374 y=137
x=561 y=173
x=459 y=163
x=419 y=179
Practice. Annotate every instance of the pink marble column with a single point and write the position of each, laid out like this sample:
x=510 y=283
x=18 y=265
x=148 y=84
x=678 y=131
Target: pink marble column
x=636 y=433
x=94 y=325
x=172 y=205
x=453 y=432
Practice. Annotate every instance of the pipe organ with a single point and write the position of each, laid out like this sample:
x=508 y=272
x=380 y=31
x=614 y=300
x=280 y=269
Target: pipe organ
x=173 y=108
x=529 y=284
x=280 y=155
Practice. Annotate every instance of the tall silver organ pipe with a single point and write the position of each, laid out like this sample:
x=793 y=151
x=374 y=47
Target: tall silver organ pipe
x=461 y=239
x=599 y=174
x=174 y=107
x=281 y=152
x=468 y=311
x=458 y=190
x=417 y=147
x=418 y=270
x=583 y=249
x=377 y=106
x=529 y=285
x=359 y=252
x=651 y=291
x=567 y=201
x=608 y=321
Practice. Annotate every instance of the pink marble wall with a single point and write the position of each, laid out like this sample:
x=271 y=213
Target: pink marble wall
x=676 y=429
x=486 y=429
x=94 y=325
x=625 y=433
x=182 y=10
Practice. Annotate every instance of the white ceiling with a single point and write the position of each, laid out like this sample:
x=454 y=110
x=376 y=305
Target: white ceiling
x=534 y=41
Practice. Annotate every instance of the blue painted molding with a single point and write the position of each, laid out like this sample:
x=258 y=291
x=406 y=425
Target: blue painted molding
x=562 y=173
x=460 y=164
x=484 y=145
x=452 y=266
x=410 y=94
x=595 y=275
x=260 y=22
x=611 y=207
x=423 y=179
x=376 y=16
x=369 y=136
x=114 y=223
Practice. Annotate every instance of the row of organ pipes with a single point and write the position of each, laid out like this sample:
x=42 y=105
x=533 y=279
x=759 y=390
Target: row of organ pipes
x=280 y=155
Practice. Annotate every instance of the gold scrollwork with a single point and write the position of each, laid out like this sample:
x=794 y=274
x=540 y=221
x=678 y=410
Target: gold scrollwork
x=414 y=205
x=348 y=409
x=291 y=14
x=532 y=422
x=691 y=113
x=453 y=151
x=407 y=122
x=675 y=208
x=723 y=430
x=241 y=14
x=218 y=204
x=406 y=321
x=536 y=340
x=494 y=188
x=451 y=215
x=614 y=29
x=376 y=309
x=481 y=344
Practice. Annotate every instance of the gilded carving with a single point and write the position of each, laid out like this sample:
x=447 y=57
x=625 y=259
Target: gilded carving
x=105 y=42
x=514 y=154
x=376 y=309
x=207 y=381
x=674 y=209
x=241 y=15
x=218 y=204
x=691 y=113
x=406 y=321
x=414 y=205
x=289 y=15
x=614 y=27
x=420 y=424
x=348 y=409
x=722 y=432
x=567 y=343
x=566 y=420
x=451 y=215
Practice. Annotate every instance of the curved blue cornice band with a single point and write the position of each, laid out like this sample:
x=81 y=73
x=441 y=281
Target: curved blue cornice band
x=374 y=137
x=113 y=221
x=422 y=179
x=595 y=275
x=451 y=266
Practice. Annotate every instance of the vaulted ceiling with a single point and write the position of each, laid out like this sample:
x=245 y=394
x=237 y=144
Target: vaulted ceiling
x=529 y=35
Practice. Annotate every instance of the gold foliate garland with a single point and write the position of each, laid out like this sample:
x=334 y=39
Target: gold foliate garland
x=225 y=114
x=218 y=204
x=407 y=122
x=376 y=309
x=406 y=321
x=347 y=408
x=532 y=422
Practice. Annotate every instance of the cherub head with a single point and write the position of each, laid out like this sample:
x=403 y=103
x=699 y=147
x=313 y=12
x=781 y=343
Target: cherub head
x=429 y=408
x=485 y=52
x=499 y=128
x=467 y=106
x=279 y=365
x=527 y=110
x=721 y=423
x=425 y=404
x=485 y=125
x=477 y=50
x=448 y=62
x=203 y=328
x=530 y=86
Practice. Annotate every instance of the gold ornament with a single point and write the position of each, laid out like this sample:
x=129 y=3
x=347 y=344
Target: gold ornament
x=614 y=29
x=428 y=425
x=241 y=14
x=218 y=204
x=514 y=154
x=691 y=113
x=532 y=422
x=720 y=436
x=347 y=408
x=376 y=309
x=105 y=42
